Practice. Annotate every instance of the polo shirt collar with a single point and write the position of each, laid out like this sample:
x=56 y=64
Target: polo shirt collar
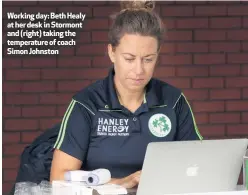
x=113 y=100
x=151 y=96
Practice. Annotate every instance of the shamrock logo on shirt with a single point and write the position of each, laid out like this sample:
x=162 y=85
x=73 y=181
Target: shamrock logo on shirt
x=159 y=125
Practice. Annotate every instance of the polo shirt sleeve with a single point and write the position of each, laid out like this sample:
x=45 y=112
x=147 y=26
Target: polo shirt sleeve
x=186 y=124
x=74 y=134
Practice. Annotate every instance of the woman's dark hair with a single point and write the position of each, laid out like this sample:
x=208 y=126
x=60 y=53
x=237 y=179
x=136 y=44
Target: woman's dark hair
x=136 y=17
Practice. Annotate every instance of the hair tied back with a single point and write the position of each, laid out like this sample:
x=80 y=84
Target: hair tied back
x=147 y=5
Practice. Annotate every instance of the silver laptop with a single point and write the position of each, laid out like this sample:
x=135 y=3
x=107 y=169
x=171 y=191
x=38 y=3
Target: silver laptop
x=192 y=166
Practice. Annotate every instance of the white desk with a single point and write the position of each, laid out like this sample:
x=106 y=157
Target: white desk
x=240 y=191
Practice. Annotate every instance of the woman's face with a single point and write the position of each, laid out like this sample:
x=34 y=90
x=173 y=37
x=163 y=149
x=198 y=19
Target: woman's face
x=134 y=60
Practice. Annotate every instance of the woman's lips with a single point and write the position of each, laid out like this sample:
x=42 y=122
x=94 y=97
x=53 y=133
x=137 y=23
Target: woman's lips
x=137 y=81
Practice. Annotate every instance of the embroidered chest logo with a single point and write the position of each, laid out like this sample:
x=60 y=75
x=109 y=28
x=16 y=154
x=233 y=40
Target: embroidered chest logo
x=112 y=127
x=159 y=125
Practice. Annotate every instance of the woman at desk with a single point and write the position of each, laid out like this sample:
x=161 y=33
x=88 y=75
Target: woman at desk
x=109 y=123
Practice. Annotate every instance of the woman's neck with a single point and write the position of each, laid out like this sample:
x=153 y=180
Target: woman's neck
x=129 y=99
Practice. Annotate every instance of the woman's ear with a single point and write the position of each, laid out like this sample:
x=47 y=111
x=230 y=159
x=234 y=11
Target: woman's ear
x=111 y=53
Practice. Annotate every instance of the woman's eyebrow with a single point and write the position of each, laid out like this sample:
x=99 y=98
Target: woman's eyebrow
x=150 y=55
x=144 y=56
x=128 y=54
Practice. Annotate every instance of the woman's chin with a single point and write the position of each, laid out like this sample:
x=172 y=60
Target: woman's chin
x=134 y=86
x=138 y=82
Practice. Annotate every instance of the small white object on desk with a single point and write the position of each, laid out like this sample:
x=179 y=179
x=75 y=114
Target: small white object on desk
x=95 y=177
x=98 y=177
x=110 y=189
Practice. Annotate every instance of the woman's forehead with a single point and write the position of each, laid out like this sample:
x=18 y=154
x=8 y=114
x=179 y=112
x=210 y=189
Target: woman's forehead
x=133 y=43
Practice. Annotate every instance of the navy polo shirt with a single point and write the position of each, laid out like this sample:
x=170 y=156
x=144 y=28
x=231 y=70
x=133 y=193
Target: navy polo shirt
x=100 y=132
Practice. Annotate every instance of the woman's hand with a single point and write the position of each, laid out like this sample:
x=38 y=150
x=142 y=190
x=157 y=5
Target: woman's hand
x=129 y=181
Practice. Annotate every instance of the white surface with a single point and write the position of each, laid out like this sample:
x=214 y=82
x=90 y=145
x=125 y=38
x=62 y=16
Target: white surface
x=110 y=189
x=70 y=188
x=240 y=191
x=79 y=188
x=240 y=187
x=219 y=193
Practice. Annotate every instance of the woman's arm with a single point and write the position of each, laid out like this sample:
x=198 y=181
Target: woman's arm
x=72 y=142
x=62 y=163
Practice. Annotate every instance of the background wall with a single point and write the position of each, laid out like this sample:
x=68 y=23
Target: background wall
x=206 y=55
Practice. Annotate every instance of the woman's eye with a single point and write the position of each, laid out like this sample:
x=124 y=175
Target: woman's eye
x=129 y=60
x=148 y=60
